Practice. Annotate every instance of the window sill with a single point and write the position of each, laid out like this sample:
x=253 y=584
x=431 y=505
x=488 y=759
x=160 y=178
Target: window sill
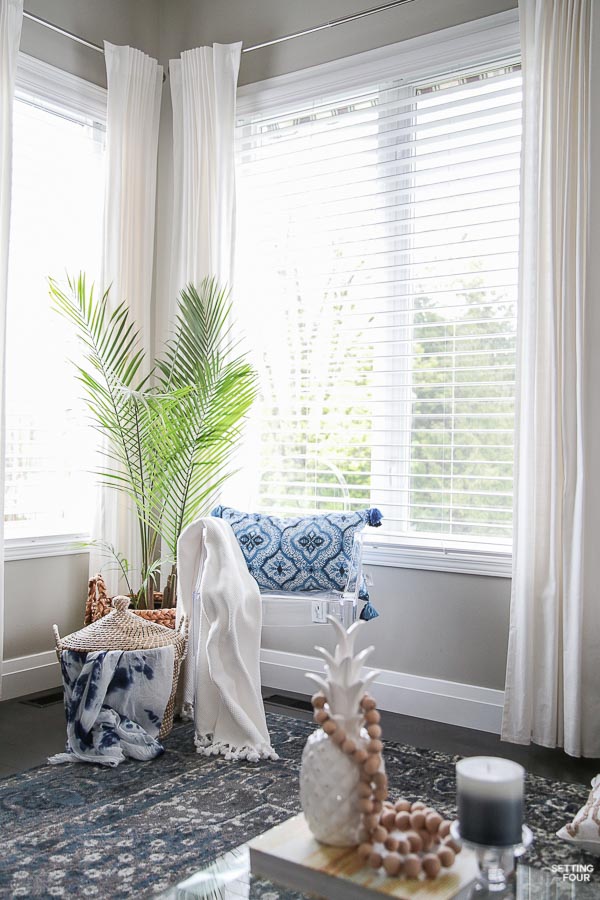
x=40 y=547
x=474 y=560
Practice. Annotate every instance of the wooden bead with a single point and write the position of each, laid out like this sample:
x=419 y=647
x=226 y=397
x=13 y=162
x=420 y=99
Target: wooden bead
x=444 y=829
x=364 y=776
x=365 y=805
x=372 y=717
x=320 y=716
x=318 y=700
x=375 y=860
x=388 y=820
x=375 y=746
x=454 y=845
x=391 y=843
x=427 y=839
x=380 y=779
x=379 y=834
x=414 y=839
x=360 y=756
x=418 y=804
x=417 y=820
x=446 y=856
x=365 y=850
x=402 y=806
x=339 y=736
x=368 y=703
x=371 y=821
x=431 y=865
x=403 y=820
x=393 y=864
x=372 y=764
x=348 y=746
x=381 y=794
x=377 y=806
x=374 y=731
x=329 y=727
x=363 y=789
x=412 y=866
x=403 y=846
x=432 y=822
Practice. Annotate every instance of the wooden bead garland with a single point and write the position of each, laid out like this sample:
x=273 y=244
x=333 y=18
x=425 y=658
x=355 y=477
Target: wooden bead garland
x=411 y=838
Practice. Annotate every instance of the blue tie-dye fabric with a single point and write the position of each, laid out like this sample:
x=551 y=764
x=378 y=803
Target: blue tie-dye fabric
x=114 y=703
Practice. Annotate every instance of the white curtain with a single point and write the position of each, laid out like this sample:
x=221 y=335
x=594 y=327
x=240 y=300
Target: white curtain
x=134 y=95
x=11 y=19
x=203 y=90
x=553 y=673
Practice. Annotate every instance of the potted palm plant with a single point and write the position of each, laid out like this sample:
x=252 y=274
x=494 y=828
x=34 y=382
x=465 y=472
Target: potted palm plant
x=169 y=434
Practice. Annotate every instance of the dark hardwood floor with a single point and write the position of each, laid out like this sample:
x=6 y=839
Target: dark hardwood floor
x=29 y=733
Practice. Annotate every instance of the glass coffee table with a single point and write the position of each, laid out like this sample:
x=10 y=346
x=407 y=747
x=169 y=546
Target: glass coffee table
x=229 y=878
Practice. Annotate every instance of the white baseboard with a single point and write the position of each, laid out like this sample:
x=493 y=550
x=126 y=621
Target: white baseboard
x=29 y=674
x=411 y=695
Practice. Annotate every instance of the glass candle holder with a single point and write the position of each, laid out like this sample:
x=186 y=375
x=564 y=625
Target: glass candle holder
x=496 y=864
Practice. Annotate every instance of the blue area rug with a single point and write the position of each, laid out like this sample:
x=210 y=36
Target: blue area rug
x=84 y=831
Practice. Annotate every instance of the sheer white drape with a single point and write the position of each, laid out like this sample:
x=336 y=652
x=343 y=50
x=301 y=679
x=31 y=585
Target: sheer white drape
x=203 y=90
x=11 y=19
x=553 y=674
x=134 y=95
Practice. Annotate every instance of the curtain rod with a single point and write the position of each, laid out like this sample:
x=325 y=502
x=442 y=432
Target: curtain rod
x=342 y=20
x=63 y=31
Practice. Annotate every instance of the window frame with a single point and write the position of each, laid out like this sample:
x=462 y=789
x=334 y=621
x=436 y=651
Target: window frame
x=481 y=42
x=57 y=88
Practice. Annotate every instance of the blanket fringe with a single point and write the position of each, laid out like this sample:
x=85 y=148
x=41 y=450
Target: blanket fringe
x=205 y=746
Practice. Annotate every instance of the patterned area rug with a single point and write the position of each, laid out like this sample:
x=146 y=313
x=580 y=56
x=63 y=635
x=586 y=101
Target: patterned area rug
x=83 y=831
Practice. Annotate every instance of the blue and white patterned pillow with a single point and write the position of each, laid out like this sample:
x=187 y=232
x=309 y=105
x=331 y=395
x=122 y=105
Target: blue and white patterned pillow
x=303 y=553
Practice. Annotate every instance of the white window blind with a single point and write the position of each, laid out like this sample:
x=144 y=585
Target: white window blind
x=377 y=275
x=56 y=226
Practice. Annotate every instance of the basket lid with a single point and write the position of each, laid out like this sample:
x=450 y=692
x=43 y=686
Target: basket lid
x=121 y=630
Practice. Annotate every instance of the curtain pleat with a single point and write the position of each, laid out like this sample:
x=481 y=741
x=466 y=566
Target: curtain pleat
x=553 y=674
x=134 y=96
x=203 y=89
x=11 y=20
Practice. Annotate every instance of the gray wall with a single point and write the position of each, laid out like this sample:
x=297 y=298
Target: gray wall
x=134 y=22
x=440 y=625
x=189 y=23
x=436 y=624
x=39 y=593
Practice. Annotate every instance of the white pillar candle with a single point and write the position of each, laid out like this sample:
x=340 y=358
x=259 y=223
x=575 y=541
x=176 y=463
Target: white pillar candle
x=489 y=794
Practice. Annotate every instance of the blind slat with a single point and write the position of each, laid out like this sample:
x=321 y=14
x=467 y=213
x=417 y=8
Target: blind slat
x=377 y=258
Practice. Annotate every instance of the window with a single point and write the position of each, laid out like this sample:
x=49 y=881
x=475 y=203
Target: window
x=377 y=276
x=56 y=227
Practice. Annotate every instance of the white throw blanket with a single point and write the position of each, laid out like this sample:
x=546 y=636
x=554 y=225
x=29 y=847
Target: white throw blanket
x=221 y=677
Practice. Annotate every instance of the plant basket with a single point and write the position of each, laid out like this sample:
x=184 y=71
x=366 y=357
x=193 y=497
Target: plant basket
x=99 y=604
x=121 y=629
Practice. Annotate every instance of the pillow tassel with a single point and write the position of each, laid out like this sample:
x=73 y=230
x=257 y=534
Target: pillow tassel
x=368 y=612
x=375 y=517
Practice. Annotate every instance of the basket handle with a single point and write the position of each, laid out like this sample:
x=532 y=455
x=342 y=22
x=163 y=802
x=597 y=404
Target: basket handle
x=57 y=640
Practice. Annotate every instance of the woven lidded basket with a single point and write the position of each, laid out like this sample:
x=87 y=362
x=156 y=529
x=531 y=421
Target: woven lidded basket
x=99 y=604
x=123 y=630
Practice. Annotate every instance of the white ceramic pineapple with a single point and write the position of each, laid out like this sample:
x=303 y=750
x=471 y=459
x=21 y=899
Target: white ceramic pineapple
x=329 y=777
